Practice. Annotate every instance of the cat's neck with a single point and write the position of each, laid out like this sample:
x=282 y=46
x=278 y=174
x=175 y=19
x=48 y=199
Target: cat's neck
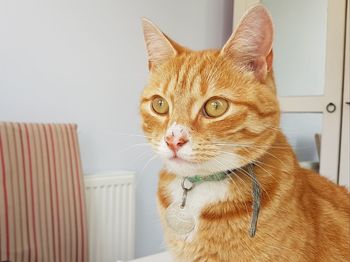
x=280 y=156
x=275 y=171
x=278 y=165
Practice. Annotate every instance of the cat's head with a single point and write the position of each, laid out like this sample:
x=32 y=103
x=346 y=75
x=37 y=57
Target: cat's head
x=213 y=110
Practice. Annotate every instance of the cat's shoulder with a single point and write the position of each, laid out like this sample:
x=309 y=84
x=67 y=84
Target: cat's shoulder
x=325 y=189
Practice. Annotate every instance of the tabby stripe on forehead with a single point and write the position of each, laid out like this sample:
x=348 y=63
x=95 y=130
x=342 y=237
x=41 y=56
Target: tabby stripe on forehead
x=181 y=83
x=215 y=67
x=195 y=73
x=207 y=76
x=170 y=86
x=196 y=84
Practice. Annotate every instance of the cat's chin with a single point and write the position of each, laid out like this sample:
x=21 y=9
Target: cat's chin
x=179 y=166
x=182 y=167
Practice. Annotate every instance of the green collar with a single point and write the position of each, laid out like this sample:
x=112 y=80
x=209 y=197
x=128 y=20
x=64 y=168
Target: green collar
x=256 y=192
x=213 y=177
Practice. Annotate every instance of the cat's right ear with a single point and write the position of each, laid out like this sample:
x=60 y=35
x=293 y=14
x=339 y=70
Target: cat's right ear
x=160 y=48
x=250 y=45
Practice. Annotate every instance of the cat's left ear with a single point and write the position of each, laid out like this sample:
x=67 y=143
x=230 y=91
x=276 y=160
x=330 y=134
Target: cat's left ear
x=160 y=47
x=250 y=45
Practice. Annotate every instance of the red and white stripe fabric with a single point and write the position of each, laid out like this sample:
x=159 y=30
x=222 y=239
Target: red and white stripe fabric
x=42 y=205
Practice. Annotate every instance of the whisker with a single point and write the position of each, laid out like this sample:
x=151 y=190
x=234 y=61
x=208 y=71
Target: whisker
x=246 y=159
x=251 y=145
x=234 y=183
x=249 y=175
x=147 y=163
x=265 y=152
x=127 y=134
x=140 y=156
x=133 y=146
x=256 y=162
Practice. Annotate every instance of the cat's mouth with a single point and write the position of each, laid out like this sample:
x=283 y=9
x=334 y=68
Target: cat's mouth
x=179 y=160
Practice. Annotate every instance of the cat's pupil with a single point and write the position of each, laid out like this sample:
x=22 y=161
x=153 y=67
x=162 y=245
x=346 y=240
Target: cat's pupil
x=160 y=103
x=215 y=105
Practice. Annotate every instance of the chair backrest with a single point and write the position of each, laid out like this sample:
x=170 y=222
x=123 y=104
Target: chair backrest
x=42 y=204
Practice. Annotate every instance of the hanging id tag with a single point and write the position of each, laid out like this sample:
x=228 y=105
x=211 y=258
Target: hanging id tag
x=178 y=216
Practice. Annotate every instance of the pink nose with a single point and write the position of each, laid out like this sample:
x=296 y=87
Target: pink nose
x=175 y=143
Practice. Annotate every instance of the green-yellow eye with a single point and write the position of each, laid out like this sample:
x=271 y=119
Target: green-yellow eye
x=215 y=107
x=160 y=105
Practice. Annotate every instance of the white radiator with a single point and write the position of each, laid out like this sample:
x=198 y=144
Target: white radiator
x=110 y=202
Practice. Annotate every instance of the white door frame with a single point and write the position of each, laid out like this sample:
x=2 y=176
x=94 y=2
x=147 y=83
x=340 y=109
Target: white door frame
x=329 y=163
x=344 y=171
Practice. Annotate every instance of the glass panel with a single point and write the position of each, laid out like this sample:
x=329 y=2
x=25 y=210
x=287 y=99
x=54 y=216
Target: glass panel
x=300 y=129
x=300 y=45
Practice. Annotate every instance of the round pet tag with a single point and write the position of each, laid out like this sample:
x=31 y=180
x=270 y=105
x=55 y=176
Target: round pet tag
x=180 y=219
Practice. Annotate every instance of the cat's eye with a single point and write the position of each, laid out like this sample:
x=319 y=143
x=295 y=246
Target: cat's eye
x=160 y=105
x=215 y=107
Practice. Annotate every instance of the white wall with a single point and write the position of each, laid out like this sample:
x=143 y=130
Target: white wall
x=84 y=61
x=299 y=46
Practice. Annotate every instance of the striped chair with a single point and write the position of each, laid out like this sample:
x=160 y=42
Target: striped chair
x=42 y=206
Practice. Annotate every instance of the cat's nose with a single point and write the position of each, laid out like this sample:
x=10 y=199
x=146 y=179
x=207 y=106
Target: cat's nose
x=174 y=143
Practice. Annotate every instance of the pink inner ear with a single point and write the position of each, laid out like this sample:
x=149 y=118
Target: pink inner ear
x=159 y=48
x=259 y=67
x=254 y=35
x=250 y=46
x=269 y=60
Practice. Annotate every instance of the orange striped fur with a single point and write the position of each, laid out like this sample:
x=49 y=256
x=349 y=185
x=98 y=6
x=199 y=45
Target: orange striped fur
x=304 y=217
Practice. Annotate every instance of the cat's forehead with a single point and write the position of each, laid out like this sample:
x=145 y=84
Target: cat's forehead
x=188 y=76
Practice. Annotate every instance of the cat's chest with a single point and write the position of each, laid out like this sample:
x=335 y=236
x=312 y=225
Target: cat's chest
x=198 y=197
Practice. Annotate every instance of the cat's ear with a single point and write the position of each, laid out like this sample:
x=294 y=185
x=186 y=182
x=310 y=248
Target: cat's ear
x=250 y=45
x=159 y=46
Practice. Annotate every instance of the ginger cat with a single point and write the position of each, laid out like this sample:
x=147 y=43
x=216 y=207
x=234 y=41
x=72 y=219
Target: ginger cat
x=216 y=112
